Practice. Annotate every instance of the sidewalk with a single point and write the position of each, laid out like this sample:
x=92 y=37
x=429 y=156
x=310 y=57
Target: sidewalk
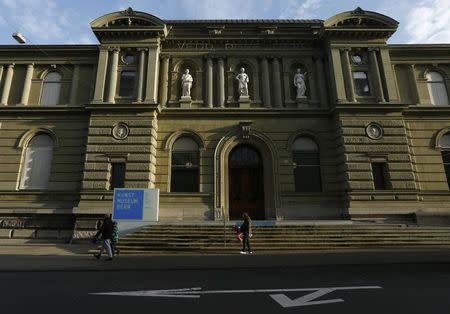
x=19 y=257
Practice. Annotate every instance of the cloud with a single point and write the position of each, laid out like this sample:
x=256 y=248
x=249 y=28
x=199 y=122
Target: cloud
x=301 y=9
x=43 y=21
x=429 y=22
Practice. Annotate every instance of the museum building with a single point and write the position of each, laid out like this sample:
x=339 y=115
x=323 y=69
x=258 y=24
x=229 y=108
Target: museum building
x=284 y=119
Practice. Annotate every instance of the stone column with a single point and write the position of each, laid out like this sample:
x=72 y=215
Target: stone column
x=322 y=85
x=413 y=82
x=221 y=82
x=1 y=72
x=266 y=83
x=277 y=83
x=7 y=85
x=231 y=76
x=101 y=75
x=348 y=77
x=140 y=91
x=151 y=90
x=164 y=81
x=74 y=86
x=27 y=85
x=376 y=74
x=209 y=82
x=113 y=76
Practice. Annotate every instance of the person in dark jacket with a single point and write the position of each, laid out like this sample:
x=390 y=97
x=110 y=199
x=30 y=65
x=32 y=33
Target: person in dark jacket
x=246 y=229
x=106 y=232
x=115 y=238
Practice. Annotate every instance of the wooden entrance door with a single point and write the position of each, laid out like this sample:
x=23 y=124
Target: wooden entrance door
x=246 y=183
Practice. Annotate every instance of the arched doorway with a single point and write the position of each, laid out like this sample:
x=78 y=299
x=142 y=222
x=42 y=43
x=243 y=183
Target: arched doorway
x=246 y=183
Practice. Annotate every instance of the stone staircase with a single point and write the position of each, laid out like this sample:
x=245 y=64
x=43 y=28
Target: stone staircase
x=210 y=238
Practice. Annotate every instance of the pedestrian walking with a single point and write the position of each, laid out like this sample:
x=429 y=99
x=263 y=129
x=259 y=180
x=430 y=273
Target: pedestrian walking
x=115 y=238
x=106 y=232
x=246 y=229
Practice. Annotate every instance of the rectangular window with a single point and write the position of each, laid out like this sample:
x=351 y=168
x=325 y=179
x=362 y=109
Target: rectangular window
x=307 y=172
x=117 y=178
x=127 y=79
x=185 y=172
x=446 y=160
x=380 y=176
x=361 y=83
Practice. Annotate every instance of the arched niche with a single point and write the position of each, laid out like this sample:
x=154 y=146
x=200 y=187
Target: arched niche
x=292 y=71
x=195 y=69
x=251 y=68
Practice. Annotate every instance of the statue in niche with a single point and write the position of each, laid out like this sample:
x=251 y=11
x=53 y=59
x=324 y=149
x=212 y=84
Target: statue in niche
x=186 y=84
x=243 y=80
x=300 y=83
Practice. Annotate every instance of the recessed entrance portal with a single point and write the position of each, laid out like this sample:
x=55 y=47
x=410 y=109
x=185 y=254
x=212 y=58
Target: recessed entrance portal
x=246 y=183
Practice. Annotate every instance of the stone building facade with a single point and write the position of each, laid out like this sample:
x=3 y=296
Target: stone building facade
x=369 y=139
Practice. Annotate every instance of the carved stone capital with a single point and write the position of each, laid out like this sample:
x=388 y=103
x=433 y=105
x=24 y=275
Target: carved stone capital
x=373 y=49
x=114 y=49
x=142 y=49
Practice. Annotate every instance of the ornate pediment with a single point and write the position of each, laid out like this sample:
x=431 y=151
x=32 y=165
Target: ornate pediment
x=361 y=18
x=361 y=23
x=130 y=22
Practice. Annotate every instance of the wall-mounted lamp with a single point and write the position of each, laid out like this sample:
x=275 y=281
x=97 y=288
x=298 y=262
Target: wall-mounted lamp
x=19 y=38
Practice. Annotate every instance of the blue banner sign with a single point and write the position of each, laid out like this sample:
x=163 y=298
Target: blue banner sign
x=128 y=204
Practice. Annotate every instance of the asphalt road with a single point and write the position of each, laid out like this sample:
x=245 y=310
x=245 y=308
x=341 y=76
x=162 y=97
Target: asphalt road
x=389 y=288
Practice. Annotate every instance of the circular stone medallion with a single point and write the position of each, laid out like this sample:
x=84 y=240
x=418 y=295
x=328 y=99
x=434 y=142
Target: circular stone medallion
x=120 y=131
x=374 y=131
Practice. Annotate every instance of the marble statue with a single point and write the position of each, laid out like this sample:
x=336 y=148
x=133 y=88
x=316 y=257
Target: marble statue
x=186 y=84
x=299 y=82
x=243 y=79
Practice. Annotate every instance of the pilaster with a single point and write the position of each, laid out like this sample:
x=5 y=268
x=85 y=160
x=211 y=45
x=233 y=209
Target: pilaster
x=209 y=82
x=278 y=100
x=265 y=83
x=347 y=73
x=221 y=82
x=74 y=85
x=113 y=76
x=151 y=92
x=376 y=74
x=101 y=75
x=7 y=85
x=164 y=80
x=140 y=92
x=27 y=85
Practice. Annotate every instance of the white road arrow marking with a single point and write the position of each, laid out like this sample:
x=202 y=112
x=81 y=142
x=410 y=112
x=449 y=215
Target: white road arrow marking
x=281 y=299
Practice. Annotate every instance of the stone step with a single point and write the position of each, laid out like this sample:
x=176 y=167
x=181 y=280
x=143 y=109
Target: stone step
x=190 y=238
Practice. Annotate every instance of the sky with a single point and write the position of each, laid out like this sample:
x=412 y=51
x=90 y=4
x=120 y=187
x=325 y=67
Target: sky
x=67 y=22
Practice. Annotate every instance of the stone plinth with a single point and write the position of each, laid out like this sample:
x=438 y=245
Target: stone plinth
x=244 y=102
x=302 y=102
x=185 y=102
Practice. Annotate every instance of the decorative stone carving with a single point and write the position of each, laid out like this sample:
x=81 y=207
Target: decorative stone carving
x=243 y=80
x=120 y=131
x=245 y=127
x=186 y=84
x=300 y=83
x=374 y=131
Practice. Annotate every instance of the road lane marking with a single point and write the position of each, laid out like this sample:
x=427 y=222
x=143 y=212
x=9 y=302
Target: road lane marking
x=280 y=298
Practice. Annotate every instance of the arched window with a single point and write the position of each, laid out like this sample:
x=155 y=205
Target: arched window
x=445 y=144
x=51 y=89
x=437 y=89
x=185 y=166
x=37 y=163
x=127 y=79
x=306 y=165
